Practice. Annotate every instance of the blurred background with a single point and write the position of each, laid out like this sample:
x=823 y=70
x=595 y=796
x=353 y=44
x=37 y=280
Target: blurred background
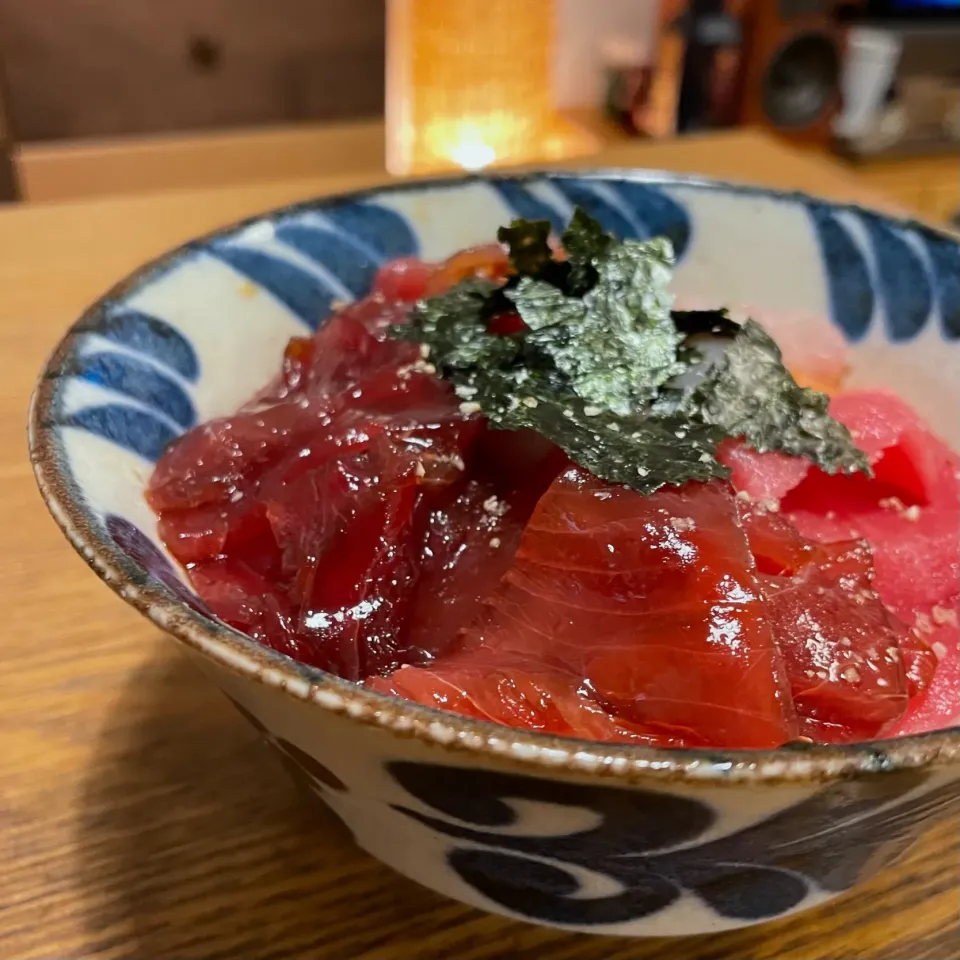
x=473 y=83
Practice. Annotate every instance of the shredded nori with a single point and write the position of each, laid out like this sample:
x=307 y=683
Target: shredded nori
x=630 y=389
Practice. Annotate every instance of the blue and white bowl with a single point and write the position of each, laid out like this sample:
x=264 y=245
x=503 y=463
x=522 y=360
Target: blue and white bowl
x=588 y=836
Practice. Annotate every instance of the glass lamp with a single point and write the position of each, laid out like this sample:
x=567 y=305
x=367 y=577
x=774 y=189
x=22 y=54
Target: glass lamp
x=469 y=85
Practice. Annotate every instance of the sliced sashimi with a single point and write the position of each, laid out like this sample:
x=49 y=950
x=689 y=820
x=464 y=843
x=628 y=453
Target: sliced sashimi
x=909 y=510
x=469 y=542
x=940 y=706
x=404 y=280
x=654 y=602
x=852 y=665
x=224 y=458
x=909 y=462
x=843 y=659
x=320 y=494
x=917 y=560
x=764 y=477
x=515 y=691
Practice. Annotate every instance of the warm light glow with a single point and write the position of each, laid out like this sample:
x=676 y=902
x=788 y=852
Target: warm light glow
x=471 y=154
x=469 y=85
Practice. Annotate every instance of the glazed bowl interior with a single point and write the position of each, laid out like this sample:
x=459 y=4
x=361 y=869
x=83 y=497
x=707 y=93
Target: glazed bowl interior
x=194 y=334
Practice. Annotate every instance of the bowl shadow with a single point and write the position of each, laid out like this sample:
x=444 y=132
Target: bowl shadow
x=194 y=843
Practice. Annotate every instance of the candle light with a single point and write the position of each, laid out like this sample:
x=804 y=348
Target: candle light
x=469 y=85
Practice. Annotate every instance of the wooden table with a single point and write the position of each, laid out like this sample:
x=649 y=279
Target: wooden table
x=139 y=816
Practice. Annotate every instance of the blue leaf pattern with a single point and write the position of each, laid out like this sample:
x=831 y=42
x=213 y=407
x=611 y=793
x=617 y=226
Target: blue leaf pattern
x=615 y=220
x=133 y=429
x=909 y=272
x=148 y=336
x=305 y=295
x=141 y=549
x=848 y=276
x=518 y=197
x=383 y=231
x=902 y=278
x=351 y=263
x=138 y=380
x=658 y=214
x=945 y=260
x=630 y=210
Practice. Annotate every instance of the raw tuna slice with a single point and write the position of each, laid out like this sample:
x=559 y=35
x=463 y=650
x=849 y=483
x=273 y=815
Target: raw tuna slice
x=852 y=665
x=469 y=541
x=909 y=511
x=226 y=457
x=917 y=560
x=908 y=460
x=331 y=518
x=940 y=707
x=515 y=691
x=654 y=603
x=764 y=477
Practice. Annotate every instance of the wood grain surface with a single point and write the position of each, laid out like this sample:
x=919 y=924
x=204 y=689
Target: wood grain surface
x=140 y=817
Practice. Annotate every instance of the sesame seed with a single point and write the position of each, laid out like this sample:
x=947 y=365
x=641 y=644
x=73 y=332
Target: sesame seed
x=940 y=649
x=530 y=402
x=851 y=675
x=419 y=470
x=944 y=615
x=469 y=408
x=424 y=350
x=643 y=471
x=614 y=427
x=495 y=542
x=592 y=411
x=683 y=524
x=911 y=513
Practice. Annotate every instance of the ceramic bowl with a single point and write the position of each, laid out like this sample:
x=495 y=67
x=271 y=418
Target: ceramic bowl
x=587 y=836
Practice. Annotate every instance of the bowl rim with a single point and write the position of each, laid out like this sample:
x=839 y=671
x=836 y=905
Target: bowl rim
x=530 y=751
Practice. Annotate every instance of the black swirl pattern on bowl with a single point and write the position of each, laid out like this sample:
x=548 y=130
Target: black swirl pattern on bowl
x=644 y=844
